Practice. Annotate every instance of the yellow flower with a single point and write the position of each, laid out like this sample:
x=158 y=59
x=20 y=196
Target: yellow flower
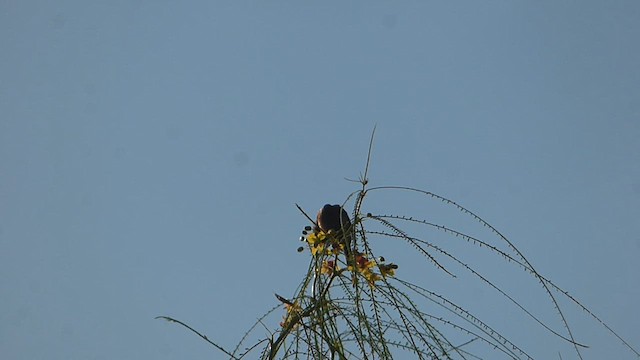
x=317 y=242
x=316 y=238
x=363 y=263
x=388 y=269
x=329 y=267
x=317 y=248
x=370 y=276
x=364 y=266
x=293 y=314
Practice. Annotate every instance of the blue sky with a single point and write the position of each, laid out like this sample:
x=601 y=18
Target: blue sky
x=151 y=154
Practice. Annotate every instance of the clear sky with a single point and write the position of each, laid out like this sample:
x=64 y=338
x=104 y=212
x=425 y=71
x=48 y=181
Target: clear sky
x=151 y=153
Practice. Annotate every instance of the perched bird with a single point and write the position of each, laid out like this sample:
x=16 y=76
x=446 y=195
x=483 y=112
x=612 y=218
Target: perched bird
x=336 y=219
x=333 y=217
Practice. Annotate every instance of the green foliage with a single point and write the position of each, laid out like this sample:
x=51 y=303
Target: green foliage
x=352 y=304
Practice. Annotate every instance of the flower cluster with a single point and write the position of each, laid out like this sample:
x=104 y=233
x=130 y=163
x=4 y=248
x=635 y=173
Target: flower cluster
x=330 y=243
x=365 y=267
x=322 y=243
x=292 y=316
x=329 y=267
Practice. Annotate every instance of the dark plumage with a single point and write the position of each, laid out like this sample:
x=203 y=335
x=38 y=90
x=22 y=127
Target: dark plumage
x=333 y=217
x=336 y=219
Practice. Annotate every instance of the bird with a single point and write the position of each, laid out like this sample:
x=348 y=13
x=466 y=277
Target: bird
x=332 y=217
x=336 y=219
